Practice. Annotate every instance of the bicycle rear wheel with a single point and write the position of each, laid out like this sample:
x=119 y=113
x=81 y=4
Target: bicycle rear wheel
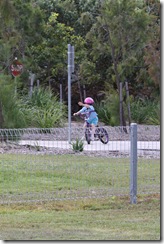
x=103 y=135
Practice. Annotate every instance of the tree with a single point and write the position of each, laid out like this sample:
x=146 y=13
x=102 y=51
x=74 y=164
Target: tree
x=152 y=50
x=115 y=41
x=120 y=31
x=8 y=34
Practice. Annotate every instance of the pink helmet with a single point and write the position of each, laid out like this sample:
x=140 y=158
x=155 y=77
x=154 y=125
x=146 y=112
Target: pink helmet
x=89 y=100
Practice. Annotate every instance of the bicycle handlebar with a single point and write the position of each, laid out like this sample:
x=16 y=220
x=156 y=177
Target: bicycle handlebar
x=83 y=116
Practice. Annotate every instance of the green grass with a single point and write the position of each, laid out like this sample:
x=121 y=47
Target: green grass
x=108 y=219
x=38 y=177
x=19 y=174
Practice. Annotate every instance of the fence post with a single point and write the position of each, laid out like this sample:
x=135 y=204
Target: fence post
x=70 y=71
x=133 y=163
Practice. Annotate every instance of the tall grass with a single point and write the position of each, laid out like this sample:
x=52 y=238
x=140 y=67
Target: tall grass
x=11 y=112
x=42 y=109
x=145 y=112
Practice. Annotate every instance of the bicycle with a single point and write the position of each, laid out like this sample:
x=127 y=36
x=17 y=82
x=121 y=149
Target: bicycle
x=100 y=132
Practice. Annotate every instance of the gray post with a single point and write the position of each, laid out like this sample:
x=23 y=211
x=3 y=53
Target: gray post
x=15 y=81
x=32 y=78
x=133 y=163
x=70 y=71
x=69 y=93
x=72 y=59
x=121 y=105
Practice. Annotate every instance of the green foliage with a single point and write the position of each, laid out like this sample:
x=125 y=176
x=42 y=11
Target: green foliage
x=104 y=113
x=43 y=109
x=88 y=72
x=110 y=36
x=142 y=111
x=47 y=118
x=13 y=115
x=78 y=145
x=11 y=112
x=145 y=112
x=109 y=39
x=108 y=110
x=154 y=117
x=29 y=22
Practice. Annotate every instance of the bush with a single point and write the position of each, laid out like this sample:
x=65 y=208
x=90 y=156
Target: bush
x=103 y=111
x=145 y=112
x=78 y=145
x=108 y=110
x=142 y=111
x=43 y=109
x=11 y=113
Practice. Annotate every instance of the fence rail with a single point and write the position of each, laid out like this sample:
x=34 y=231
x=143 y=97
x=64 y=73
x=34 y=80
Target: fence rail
x=41 y=165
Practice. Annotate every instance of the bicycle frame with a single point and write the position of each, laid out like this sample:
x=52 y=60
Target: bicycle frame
x=100 y=133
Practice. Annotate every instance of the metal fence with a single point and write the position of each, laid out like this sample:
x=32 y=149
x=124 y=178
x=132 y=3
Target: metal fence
x=41 y=165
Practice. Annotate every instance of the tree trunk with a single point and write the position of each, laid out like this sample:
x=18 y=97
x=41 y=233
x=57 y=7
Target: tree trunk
x=84 y=92
x=127 y=96
x=79 y=86
x=122 y=116
x=119 y=84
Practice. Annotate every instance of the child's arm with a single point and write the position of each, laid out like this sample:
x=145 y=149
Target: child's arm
x=77 y=113
x=83 y=105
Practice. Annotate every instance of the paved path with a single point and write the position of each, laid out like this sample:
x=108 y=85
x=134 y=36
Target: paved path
x=122 y=146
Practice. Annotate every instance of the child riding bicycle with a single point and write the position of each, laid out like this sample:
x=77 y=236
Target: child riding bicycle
x=89 y=111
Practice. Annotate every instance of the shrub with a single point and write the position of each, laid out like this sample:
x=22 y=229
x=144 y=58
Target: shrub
x=11 y=112
x=108 y=110
x=145 y=112
x=103 y=111
x=78 y=145
x=43 y=109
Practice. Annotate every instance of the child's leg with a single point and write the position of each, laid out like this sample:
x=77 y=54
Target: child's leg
x=93 y=131
x=85 y=124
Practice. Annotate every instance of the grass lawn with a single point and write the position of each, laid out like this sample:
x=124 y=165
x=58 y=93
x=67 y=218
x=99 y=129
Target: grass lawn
x=108 y=219
x=20 y=174
x=104 y=218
